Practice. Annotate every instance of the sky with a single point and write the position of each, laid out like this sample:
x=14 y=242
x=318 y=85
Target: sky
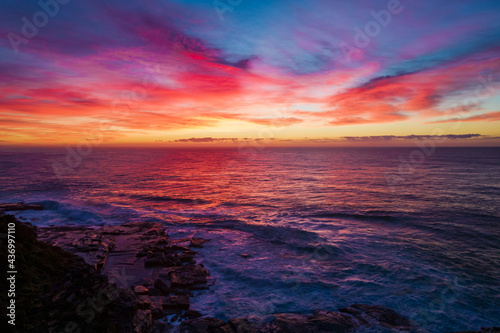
x=223 y=72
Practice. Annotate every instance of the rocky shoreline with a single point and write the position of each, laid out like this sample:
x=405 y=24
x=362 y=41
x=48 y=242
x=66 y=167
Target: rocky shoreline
x=135 y=278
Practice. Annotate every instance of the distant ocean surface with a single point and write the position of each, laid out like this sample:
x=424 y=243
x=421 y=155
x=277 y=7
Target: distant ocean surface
x=297 y=229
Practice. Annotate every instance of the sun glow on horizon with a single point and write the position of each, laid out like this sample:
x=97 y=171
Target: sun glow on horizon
x=187 y=74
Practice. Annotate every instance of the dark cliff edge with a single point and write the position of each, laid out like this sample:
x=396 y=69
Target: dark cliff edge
x=135 y=278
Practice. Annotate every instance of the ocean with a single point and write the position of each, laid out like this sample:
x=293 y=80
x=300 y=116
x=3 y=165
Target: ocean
x=296 y=229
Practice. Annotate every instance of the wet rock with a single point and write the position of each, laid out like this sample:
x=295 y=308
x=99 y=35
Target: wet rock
x=163 y=286
x=144 y=321
x=82 y=245
x=197 y=242
x=241 y=325
x=484 y=330
x=155 y=254
x=58 y=287
x=191 y=314
x=71 y=298
x=320 y=321
x=154 y=292
x=140 y=252
x=188 y=275
x=206 y=325
x=157 y=313
x=169 y=262
x=141 y=282
x=178 y=248
x=152 y=232
x=178 y=302
x=6 y=207
x=60 y=295
x=144 y=303
x=185 y=257
x=290 y=322
x=175 y=318
x=333 y=322
x=380 y=315
x=141 y=290
x=162 y=240
x=153 y=262
x=160 y=327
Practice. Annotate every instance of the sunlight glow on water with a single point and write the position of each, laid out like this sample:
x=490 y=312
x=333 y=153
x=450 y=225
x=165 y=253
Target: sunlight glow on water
x=318 y=228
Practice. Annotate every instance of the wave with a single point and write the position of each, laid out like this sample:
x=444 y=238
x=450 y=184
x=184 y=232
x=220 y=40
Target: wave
x=362 y=217
x=235 y=204
x=275 y=234
x=279 y=234
x=71 y=213
x=294 y=238
x=162 y=198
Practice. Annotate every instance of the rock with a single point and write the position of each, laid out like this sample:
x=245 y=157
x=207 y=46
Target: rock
x=144 y=303
x=163 y=286
x=197 y=242
x=59 y=296
x=153 y=262
x=178 y=302
x=152 y=232
x=206 y=325
x=188 y=275
x=290 y=322
x=333 y=322
x=102 y=253
x=169 y=262
x=156 y=254
x=141 y=290
x=141 y=282
x=381 y=315
x=185 y=257
x=176 y=247
x=191 y=314
x=176 y=318
x=157 y=313
x=348 y=310
x=19 y=207
x=160 y=327
x=144 y=321
x=56 y=282
x=320 y=321
x=115 y=249
x=162 y=240
x=71 y=298
x=484 y=330
x=241 y=325
x=154 y=292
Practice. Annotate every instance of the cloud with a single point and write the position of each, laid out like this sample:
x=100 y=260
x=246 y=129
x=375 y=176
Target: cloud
x=490 y=116
x=208 y=139
x=410 y=137
x=337 y=140
x=276 y=122
x=421 y=94
x=174 y=66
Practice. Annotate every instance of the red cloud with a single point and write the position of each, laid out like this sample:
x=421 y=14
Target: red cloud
x=396 y=98
x=190 y=87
